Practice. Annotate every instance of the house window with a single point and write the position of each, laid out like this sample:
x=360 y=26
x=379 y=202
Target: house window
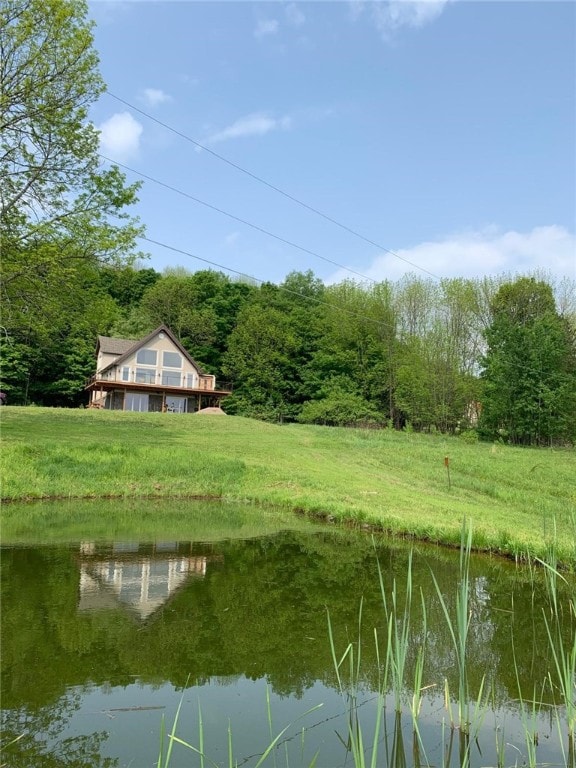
x=171 y=378
x=172 y=360
x=190 y=380
x=146 y=357
x=176 y=404
x=125 y=373
x=145 y=376
x=136 y=402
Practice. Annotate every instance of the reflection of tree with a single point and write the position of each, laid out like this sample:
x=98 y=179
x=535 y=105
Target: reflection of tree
x=260 y=611
x=33 y=738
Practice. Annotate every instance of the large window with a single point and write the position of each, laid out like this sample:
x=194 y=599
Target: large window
x=125 y=373
x=145 y=376
x=136 y=402
x=171 y=378
x=146 y=357
x=172 y=360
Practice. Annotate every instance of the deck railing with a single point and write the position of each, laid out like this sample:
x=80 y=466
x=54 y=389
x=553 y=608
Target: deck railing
x=202 y=383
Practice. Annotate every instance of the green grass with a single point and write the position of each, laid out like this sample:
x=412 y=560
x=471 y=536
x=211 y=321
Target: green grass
x=518 y=500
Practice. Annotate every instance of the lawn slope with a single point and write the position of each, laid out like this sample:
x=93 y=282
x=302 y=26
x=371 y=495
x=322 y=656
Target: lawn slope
x=518 y=500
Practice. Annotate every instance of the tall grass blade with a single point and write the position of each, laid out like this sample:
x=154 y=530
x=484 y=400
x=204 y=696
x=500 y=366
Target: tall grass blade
x=564 y=658
x=200 y=735
x=459 y=629
x=269 y=715
x=398 y=623
x=230 y=751
x=398 y=758
x=160 y=763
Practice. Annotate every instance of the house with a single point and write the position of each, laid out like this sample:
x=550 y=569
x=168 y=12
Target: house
x=155 y=373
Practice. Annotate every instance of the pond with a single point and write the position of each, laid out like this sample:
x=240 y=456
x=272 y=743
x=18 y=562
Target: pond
x=229 y=622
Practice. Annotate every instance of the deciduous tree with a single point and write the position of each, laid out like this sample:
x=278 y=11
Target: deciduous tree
x=529 y=367
x=59 y=209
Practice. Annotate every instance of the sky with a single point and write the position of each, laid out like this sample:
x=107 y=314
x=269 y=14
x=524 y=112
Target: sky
x=359 y=140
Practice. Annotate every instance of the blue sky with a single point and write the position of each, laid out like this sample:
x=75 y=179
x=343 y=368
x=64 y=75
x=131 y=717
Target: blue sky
x=442 y=132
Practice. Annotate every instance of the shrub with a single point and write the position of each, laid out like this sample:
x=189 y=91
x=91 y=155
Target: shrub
x=341 y=409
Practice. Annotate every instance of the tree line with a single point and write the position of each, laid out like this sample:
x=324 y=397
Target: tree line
x=494 y=357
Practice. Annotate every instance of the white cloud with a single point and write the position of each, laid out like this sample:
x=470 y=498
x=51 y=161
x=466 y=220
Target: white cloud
x=120 y=136
x=154 y=96
x=477 y=254
x=391 y=15
x=266 y=27
x=257 y=124
x=294 y=15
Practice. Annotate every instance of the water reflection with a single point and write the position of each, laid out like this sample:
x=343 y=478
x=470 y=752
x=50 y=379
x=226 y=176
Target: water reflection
x=100 y=638
x=125 y=577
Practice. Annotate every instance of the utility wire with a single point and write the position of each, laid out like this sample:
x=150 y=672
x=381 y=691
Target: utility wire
x=260 y=229
x=254 y=226
x=337 y=307
x=271 y=186
x=235 y=218
x=380 y=323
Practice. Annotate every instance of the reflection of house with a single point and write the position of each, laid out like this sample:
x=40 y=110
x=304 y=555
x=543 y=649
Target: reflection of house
x=153 y=374
x=141 y=583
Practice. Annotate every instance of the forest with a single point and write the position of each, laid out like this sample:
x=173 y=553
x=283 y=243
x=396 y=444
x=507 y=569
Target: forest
x=492 y=358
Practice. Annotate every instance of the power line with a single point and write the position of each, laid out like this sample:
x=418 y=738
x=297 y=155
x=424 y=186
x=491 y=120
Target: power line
x=337 y=307
x=253 y=226
x=260 y=229
x=271 y=186
x=262 y=282
x=235 y=218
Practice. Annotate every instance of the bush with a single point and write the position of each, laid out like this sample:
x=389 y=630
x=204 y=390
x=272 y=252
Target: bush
x=341 y=409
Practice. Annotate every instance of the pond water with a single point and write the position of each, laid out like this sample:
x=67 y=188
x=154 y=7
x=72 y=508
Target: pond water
x=218 y=617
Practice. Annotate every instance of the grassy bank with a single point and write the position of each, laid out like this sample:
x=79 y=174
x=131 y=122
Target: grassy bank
x=517 y=500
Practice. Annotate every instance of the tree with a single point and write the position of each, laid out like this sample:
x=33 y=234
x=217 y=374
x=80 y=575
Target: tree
x=48 y=364
x=127 y=284
x=260 y=361
x=60 y=211
x=529 y=367
x=200 y=307
x=356 y=349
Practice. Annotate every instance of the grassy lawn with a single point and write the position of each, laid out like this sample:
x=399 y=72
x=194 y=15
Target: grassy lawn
x=518 y=500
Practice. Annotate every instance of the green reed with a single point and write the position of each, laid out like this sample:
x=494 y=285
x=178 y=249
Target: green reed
x=349 y=692
x=398 y=756
x=398 y=625
x=563 y=675
x=392 y=668
x=418 y=688
x=399 y=634
x=167 y=741
x=459 y=629
x=529 y=712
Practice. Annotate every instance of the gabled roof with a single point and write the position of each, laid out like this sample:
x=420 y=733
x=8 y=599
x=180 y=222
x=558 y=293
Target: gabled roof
x=136 y=345
x=111 y=346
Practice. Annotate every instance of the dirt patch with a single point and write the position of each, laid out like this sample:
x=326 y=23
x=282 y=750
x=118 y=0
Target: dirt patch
x=217 y=411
